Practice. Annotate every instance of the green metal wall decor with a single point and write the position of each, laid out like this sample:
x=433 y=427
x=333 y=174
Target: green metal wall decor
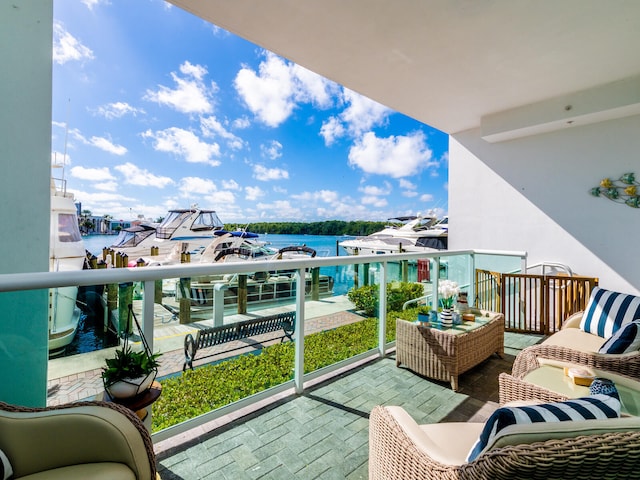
x=624 y=190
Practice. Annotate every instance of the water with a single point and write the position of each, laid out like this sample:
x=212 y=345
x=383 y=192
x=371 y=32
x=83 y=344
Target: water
x=91 y=335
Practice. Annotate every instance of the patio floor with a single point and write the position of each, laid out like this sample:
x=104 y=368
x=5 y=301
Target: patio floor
x=323 y=434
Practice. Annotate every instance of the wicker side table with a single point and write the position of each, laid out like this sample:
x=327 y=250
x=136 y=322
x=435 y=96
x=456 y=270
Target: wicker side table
x=446 y=354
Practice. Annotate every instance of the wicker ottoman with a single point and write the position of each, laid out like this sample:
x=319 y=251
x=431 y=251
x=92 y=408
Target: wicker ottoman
x=446 y=354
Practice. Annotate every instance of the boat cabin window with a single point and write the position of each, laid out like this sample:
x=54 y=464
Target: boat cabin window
x=68 y=230
x=439 y=243
x=171 y=223
x=206 y=221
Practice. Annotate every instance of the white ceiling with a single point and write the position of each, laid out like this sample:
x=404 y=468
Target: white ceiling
x=446 y=63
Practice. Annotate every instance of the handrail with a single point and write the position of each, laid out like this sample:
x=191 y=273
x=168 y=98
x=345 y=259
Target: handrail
x=11 y=282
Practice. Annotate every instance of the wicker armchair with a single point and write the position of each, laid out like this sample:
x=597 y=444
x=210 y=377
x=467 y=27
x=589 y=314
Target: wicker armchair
x=81 y=440
x=399 y=448
x=575 y=347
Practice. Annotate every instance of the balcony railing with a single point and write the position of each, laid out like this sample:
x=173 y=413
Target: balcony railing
x=459 y=266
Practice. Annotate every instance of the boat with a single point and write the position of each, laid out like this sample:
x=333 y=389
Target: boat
x=420 y=233
x=194 y=226
x=66 y=253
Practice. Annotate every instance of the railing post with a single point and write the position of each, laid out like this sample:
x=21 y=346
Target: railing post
x=148 y=311
x=298 y=335
x=382 y=311
x=472 y=277
x=435 y=282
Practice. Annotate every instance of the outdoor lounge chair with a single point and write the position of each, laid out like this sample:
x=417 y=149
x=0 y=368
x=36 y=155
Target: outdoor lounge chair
x=95 y=440
x=399 y=448
x=584 y=335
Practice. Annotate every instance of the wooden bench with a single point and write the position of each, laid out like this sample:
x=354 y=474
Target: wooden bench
x=209 y=337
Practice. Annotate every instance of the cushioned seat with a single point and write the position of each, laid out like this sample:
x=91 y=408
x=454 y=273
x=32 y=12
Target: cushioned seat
x=586 y=334
x=95 y=440
x=399 y=448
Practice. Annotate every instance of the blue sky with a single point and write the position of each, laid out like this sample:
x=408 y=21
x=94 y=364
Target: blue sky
x=166 y=110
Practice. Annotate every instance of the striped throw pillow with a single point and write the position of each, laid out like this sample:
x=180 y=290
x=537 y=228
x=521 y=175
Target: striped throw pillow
x=6 y=470
x=594 y=407
x=607 y=311
x=625 y=340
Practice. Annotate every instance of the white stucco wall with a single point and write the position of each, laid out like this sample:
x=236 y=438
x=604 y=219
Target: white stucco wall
x=532 y=194
x=25 y=151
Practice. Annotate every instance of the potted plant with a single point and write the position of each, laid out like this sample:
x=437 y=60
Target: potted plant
x=423 y=313
x=130 y=372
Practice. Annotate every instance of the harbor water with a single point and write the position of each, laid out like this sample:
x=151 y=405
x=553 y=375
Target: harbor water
x=91 y=335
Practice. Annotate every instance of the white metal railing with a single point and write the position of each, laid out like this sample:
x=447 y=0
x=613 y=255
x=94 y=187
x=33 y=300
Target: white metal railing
x=148 y=276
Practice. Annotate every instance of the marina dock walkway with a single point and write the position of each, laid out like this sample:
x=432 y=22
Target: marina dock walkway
x=78 y=377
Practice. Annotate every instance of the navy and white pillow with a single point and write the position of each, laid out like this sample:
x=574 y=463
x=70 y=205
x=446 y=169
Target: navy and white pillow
x=607 y=311
x=625 y=340
x=6 y=470
x=594 y=407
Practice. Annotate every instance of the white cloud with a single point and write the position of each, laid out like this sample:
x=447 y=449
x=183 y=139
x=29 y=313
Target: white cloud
x=185 y=144
x=281 y=209
x=93 y=174
x=396 y=156
x=67 y=48
x=117 y=110
x=241 y=123
x=327 y=196
x=98 y=142
x=197 y=186
x=373 y=190
x=375 y=201
x=212 y=127
x=409 y=193
x=331 y=130
x=108 y=146
x=221 y=197
x=92 y=3
x=271 y=150
x=190 y=95
x=406 y=184
x=361 y=115
x=273 y=92
x=426 y=197
x=265 y=174
x=231 y=185
x=253 y=193
x=107 y=186
x=134 y=175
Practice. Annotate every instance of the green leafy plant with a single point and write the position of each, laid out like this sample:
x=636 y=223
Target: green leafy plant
x=365 y=298
x=129 y=364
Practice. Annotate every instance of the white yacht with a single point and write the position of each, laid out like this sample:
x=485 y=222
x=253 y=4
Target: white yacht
x=421 y=233
x=194 y=226
x=66 y=252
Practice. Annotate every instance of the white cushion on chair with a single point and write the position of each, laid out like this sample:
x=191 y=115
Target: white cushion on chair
x=607 y=311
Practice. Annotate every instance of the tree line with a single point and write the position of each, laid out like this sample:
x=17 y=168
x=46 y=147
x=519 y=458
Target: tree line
x=329 y=227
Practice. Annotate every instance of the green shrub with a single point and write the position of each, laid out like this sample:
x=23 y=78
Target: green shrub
x=210 y=387
x=366 y=298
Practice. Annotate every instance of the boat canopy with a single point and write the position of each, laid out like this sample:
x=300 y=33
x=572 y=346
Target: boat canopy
x=204 y=220
x=132 y=236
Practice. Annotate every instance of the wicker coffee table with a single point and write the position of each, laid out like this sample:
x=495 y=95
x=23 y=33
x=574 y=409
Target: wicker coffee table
x=444 y=354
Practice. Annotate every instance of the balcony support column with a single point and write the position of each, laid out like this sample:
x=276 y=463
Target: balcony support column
x=382 y=311
x=298 y=336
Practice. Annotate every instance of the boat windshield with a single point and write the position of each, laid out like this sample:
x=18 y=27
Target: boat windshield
x=68 y=230
x=206 y=221
x=172 y=222
x=130 y=238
